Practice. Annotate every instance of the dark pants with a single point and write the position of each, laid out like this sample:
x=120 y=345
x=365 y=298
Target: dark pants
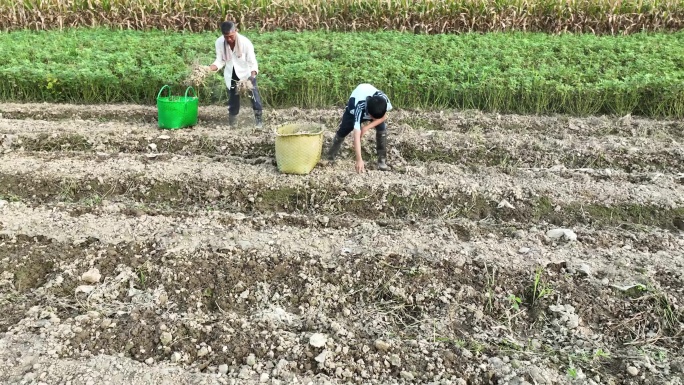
x=234 y=100
x=347 y=123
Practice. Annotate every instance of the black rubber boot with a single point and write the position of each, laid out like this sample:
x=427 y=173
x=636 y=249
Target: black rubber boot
x=258 y=122
x=335 y=147
x=381 y=147
x=232 y=120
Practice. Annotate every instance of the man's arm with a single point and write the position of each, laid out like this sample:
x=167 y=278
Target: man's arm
x=218 y=63
x=250 y=58
x=358 y=133
x=372 y=124
x=360 y=167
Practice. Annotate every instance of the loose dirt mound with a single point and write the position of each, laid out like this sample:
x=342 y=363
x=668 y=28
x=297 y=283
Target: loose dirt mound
x=500 y=250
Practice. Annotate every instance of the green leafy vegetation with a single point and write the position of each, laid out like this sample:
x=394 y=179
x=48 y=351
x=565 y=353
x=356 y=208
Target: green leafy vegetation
x=642 y=74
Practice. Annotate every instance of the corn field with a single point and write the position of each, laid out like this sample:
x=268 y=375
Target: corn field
x=612 y=17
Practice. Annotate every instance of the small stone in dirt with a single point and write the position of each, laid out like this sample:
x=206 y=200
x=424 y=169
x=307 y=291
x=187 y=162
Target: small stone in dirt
x=570 y=235
x=565 y=233
x=524 y=250
x=395 y=360
x=382 y=345
x=318 y=340
x=519 y=234
x=406 y=375
x=223 y=369
x=92 y=314
x=499 y=366
x=321 y=357
x=213 y=193
x=537 y=375
x=202 y=352
x=466 y=353
x=84 y=289
x=263 y=378
x=152 y=146
x=632 y=371
x=2 y=202
x=41 y=323
x=105 y=323
x=176 y=356
x=165 y=338
x=496 y=362
x=251 y=360
x=163 y=137
x=149 y=361
x=536 y=344
x=91 y=276
x=584 y=269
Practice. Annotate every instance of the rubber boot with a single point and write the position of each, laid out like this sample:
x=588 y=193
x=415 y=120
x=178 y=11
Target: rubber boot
x=381 y=147
x=232 y=120
x=258 y=122
x=335 y=147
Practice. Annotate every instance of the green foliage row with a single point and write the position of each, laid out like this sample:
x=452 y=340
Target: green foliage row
x=508 y=72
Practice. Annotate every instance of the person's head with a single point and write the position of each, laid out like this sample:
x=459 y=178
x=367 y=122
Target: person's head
x=377 y=106
x=229 y=31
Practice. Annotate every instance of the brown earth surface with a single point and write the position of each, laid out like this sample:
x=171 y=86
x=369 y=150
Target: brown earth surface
x=501 y=249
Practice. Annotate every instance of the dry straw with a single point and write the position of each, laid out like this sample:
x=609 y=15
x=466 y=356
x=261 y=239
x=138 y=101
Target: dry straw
x=422 y=16
x=198 y=75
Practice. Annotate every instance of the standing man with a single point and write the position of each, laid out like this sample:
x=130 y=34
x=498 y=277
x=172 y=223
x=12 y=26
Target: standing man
x=236 y=53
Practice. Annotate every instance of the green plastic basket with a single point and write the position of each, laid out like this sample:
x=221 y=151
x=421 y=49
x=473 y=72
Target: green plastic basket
x=174 y=112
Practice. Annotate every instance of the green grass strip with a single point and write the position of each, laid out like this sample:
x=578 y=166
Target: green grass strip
x=587 y=74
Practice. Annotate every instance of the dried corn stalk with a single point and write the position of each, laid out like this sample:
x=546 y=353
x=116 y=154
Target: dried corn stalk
x=421 y=16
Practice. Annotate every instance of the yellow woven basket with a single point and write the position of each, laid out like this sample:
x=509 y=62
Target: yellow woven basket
x=298 y=147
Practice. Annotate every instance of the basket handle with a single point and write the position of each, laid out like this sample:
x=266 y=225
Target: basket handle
x=162 y=89
x=185 y=105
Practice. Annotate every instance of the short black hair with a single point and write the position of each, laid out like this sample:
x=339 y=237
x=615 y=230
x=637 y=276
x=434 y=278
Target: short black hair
x=377 y=106
x=227 y=27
